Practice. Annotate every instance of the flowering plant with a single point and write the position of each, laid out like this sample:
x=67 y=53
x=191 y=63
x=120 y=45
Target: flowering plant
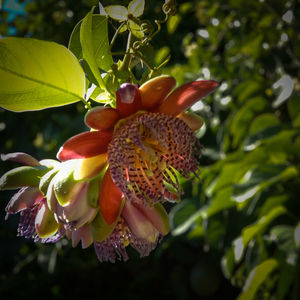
x=109 y=184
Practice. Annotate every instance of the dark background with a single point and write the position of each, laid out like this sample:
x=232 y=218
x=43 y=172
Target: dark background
x=248 y=46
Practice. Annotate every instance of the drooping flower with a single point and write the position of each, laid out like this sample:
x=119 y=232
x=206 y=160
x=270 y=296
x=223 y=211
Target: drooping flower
x=111 y=181
x=146 y=140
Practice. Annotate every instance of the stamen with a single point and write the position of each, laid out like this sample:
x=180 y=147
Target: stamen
x=127 y=174
x=145 y=151
x=179 y=156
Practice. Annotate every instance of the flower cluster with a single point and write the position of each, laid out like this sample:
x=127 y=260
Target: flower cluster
x=110 y=183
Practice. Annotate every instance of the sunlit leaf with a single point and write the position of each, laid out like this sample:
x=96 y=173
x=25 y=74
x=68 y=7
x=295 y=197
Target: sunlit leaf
x=271 y=202
x=227 y=263
x=135 y=29
x=90 y=53
x=252 y=230
x=222 y=200
x=36 y=74
x=173 y=23
x=100 y=43
x=117 y=12
x=136 y=7
x=263 y=121
x=260 y=178
x=256 y=277
x=244 y=116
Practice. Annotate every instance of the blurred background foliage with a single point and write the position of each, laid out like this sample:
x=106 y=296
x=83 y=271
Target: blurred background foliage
x=236 y=234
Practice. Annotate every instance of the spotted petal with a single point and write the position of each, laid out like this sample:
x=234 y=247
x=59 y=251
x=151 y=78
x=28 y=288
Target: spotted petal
x=154 y=91
x=110 y=199
x=101 y=117
x=86 y=144
x=186 y=95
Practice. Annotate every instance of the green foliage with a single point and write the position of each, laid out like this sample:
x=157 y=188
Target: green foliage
x=243 y=217
x=37 y=74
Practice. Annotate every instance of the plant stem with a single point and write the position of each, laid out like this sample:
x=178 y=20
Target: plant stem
x=126 y=60
x=115 y=35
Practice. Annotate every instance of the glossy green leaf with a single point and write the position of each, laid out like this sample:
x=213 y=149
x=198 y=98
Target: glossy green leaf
x=117 y=12
x=243 y=118
x=227 y=263
x=173 y=23
x=261 y=178
x=263 y=121
x=252 y=230
x=297 y=236
x=89 y=52
x=184 y=215
x=100 y=42
x=220 y=201
x=247 y=89
x=284 y=236
x=36 y=74
x=293 y=105
x=254 y=140
x=136 y=7
x=286 y=277
x=271 y=202
x=256 y=277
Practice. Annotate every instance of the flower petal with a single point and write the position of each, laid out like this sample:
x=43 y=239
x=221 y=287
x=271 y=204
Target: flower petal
x=157 y=215
x=23 y=199
x=84 y=235
x=89 y=167
x=86 y=144
x=101 y=117
x=22 y=158
x=194 y=121
x=138 y=223
x=186 y=95
x=110 y=199
x=128 y=100
x=77 y=207
x=154 y=91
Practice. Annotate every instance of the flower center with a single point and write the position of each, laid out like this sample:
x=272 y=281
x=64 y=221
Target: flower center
x=146 y=151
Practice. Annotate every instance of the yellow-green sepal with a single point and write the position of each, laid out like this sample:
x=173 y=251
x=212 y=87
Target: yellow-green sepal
x=22 y=176
x=93 y=192
x=45 y=181
x=63 y=183
x=45 y=223
x=100 y=229
x=164 y=225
